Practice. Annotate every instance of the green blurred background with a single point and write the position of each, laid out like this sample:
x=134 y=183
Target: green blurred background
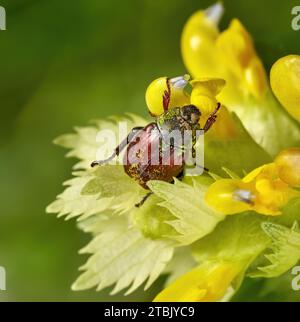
x=64 y=62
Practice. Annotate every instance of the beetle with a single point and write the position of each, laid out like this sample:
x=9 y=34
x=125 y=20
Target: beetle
x=145 y=144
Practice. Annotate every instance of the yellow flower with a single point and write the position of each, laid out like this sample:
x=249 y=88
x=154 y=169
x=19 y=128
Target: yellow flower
x=285 y=83
x=166 y=93
x=207 y=283
x=198 y=42
x=265 y=190
x=229 y=55
x=288 y=165
x=204 y=95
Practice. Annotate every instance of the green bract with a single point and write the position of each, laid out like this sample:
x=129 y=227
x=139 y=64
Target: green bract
x=239 y=153
x=268 y=123
x=192 y=220
x=131 y=245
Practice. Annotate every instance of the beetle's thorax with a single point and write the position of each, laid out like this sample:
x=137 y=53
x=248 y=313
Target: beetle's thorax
x=180 y=118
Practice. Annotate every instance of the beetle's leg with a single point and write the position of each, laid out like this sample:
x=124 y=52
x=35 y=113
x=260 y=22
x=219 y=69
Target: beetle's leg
x=144 y=199
x=201 y=167
x=167 y=96
x=119 y=148
x=194 y=142
x=212 y=119
x=180 y=175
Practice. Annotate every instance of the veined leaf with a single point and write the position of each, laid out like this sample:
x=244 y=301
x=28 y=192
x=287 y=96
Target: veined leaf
x=71 y=203
x=151 y=219
x=285 y=250
x=111 y=181
x=238 y=238
x=107 y=188
x=122 y=256
x=181 y=263
x=269 y=124
x=238 y=153
x=194 y=219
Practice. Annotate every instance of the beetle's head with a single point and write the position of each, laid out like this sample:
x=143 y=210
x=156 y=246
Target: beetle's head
x=191 y=114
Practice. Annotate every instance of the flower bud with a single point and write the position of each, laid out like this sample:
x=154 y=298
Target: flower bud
x=288 y=164
x=285 y=83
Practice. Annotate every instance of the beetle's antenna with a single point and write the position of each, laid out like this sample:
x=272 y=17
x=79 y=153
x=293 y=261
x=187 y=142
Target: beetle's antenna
x=203 y=168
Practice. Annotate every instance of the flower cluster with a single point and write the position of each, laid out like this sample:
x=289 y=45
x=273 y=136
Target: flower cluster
x=265 y=190
x=208 y=232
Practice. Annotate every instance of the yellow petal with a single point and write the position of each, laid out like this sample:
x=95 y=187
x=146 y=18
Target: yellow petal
x=208 y=86
x=272 y=196
x=225 y=127
x=256 y=78
x=236 y=51
x=204 y=94
x=253 y=174
x=229 y=196
x=288 y=164
x=285 y=83
x=236 y=46
x=206 y=104
x=206 y=283
x=174 y=87
x=272 y=193
x=198 y=41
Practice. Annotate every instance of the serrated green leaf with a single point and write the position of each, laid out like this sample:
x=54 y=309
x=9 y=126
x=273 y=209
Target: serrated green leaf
x=285 y=250
x=194 y=219
x=100 y=223
x=108 y=188
x=269 y=124
x=83 y=145
x=290 y=213
x=111 y=181
x=151 y=219
x=122 y=256
x=238 y=238
x=181 y=263
x=71 y=203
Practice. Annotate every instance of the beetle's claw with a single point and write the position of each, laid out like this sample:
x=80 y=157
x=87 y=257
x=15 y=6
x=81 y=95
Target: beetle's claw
x=95 y=163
